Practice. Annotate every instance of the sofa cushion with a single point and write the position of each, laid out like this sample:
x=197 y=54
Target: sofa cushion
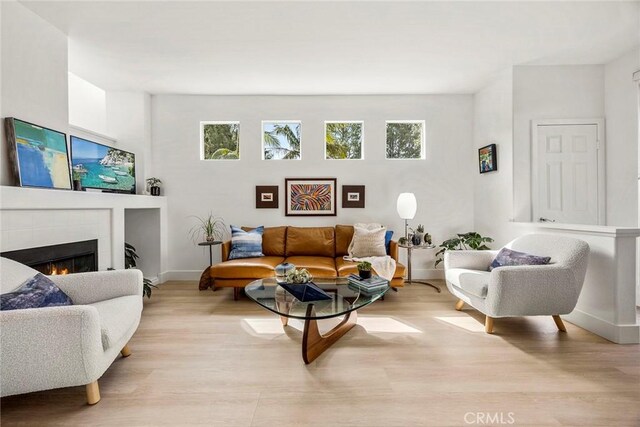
x=273 y=240
x=246 y=244
x=344 y=268
x=474 y=282
x=311 y=241
x=320 y=267
x=246 y=268
x=114 y=324
x=36 y=292
x=344 y=234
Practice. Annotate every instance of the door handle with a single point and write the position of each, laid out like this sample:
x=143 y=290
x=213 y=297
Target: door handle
x=542 y=219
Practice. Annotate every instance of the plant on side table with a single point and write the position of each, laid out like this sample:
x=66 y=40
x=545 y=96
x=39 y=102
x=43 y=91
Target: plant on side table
x=210 y=228
x=364 y=269
x=464 y=241
x=130 y=261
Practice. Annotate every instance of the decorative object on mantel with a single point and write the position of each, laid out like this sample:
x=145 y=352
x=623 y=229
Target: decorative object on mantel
x=406 y=206
x=488 y=159
x=464 y=241
x=353 y=196
x=130 y=261
x=39 y=155
x=310 y=196
x=267 y=197
x=364 y=269
x=154 y=188
x=209 y=228
x=77 y=181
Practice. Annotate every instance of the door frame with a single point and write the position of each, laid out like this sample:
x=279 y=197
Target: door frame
x=600 y=151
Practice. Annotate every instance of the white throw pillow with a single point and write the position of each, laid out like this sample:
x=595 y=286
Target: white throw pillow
x=368 y=240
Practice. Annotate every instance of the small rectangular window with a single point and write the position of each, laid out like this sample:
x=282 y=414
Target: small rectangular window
x=219 y=141
x=281 y=140
x=343 y=140
x=405 y=139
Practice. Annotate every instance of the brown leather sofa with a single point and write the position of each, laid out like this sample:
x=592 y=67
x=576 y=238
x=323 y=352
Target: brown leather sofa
x=318 y=249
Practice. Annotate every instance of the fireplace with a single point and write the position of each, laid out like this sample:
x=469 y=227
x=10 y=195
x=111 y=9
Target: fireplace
x=66 y=258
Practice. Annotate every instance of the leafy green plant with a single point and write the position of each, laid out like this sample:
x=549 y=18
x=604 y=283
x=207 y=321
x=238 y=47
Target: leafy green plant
x=130 y=261
x=364 y=266
x=464 y=241
x=153 y=182
x=209 y=228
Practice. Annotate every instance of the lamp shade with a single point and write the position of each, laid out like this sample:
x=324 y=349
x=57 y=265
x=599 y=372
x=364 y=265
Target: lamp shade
x=407 y=205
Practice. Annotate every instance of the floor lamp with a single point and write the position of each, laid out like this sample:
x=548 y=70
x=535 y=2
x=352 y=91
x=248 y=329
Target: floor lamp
x=406 y=206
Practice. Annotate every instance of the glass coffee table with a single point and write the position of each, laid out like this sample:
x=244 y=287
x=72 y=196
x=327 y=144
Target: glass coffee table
x=344 y=302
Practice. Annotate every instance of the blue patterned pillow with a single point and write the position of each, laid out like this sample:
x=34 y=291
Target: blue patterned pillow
x=508 y=257
x=38 y=291
x=246 y=244
x=387 y=241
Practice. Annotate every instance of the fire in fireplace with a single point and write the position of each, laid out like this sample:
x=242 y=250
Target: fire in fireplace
x=66 y=258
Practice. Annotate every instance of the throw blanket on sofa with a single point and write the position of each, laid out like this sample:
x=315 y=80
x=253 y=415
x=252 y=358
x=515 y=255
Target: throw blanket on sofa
x=384 y=266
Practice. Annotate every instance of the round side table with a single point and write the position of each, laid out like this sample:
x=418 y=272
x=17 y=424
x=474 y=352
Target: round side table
x=206 y=281
x=410 y=249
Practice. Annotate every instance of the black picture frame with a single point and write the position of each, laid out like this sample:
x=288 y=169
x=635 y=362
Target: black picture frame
x=488 y=158
x=267 y=197
x=353 y=196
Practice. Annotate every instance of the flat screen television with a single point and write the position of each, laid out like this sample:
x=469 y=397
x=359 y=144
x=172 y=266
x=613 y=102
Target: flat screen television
x=102 y=167
x=39 y=155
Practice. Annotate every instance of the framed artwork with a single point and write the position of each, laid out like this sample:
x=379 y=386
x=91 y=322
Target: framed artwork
x=353 y=196
x=266 y=197
x=487 y=158
x=39 y=155
x=310 y=196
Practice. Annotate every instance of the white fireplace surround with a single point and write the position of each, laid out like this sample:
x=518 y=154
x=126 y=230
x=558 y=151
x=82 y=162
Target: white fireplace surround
x=31 y=217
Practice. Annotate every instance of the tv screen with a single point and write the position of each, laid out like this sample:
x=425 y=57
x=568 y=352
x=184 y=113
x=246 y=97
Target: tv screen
x=39 y=155
x=102 y=167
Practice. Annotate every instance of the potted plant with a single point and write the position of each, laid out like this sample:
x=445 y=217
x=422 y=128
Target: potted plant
x=298 y=276
x=154 y=188
x=77 y=181
x=463 y=241
x=210 y=228
x=416 y=238
x=364 y=269
x=130 y=261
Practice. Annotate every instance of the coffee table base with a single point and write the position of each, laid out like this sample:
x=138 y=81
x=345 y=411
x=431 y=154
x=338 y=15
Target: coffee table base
x=313 y=342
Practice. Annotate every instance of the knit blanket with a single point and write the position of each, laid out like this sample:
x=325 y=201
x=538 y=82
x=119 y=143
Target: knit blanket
x=384 y=266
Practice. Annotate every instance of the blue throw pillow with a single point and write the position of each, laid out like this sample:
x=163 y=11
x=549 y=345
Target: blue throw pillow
x=38 y=291
x=246 y=244
x=387 y=241
x=508 y=257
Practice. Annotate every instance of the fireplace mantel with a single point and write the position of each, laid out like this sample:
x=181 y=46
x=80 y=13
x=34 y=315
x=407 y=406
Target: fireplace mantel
x=147 y=213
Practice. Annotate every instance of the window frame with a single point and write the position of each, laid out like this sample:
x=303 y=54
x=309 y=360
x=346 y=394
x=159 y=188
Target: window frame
x=262 y=123
x=324 y=138
x=423 y=142
x=217 y=122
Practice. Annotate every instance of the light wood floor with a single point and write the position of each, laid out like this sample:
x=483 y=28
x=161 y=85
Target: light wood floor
x=201 y=358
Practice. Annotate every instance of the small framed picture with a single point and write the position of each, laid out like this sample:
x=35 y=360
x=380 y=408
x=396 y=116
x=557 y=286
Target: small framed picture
x=310 y=196
x=353 y=196
x=266 y=197
x=487 y=158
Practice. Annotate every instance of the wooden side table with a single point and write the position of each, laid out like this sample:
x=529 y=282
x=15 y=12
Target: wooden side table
x=410 y=249
x=206 y=281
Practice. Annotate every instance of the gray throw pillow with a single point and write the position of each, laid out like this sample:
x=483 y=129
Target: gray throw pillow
x=508 y=257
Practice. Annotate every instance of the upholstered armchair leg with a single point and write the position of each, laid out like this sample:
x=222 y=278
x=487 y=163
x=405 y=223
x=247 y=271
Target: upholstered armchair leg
x=459 y=305
x=126 y=351
x=93 y=393
x=559 y=323
x=488 y=324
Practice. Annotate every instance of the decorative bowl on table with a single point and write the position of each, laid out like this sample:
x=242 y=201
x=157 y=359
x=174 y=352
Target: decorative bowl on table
x=281 y=271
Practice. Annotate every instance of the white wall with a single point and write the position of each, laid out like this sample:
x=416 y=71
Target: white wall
x=34 y=73
x=493 y=192
x=549 y=92
x=194 y=187
x=621 y=111
x=87 y=105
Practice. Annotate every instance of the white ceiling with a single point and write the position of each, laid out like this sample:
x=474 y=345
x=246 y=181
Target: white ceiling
x=330 y=47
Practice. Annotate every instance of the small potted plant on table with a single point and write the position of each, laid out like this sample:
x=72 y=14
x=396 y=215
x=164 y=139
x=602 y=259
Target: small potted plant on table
x=364 y=269
x=210 y=228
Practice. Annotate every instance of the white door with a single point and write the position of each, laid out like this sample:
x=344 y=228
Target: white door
x=568 y=174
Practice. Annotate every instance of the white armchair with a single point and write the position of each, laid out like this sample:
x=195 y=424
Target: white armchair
x=53 y=347
x=527 y=290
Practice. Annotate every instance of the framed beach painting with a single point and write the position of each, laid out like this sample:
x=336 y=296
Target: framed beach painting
x=310 y=196
x=39 y=155
x=487 y=158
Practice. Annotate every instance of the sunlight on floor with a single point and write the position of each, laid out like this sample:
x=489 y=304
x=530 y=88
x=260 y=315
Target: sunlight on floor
x=273 y=326
x=468 y=323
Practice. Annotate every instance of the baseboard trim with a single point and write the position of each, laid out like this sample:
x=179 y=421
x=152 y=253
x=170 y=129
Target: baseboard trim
x=619 y=334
